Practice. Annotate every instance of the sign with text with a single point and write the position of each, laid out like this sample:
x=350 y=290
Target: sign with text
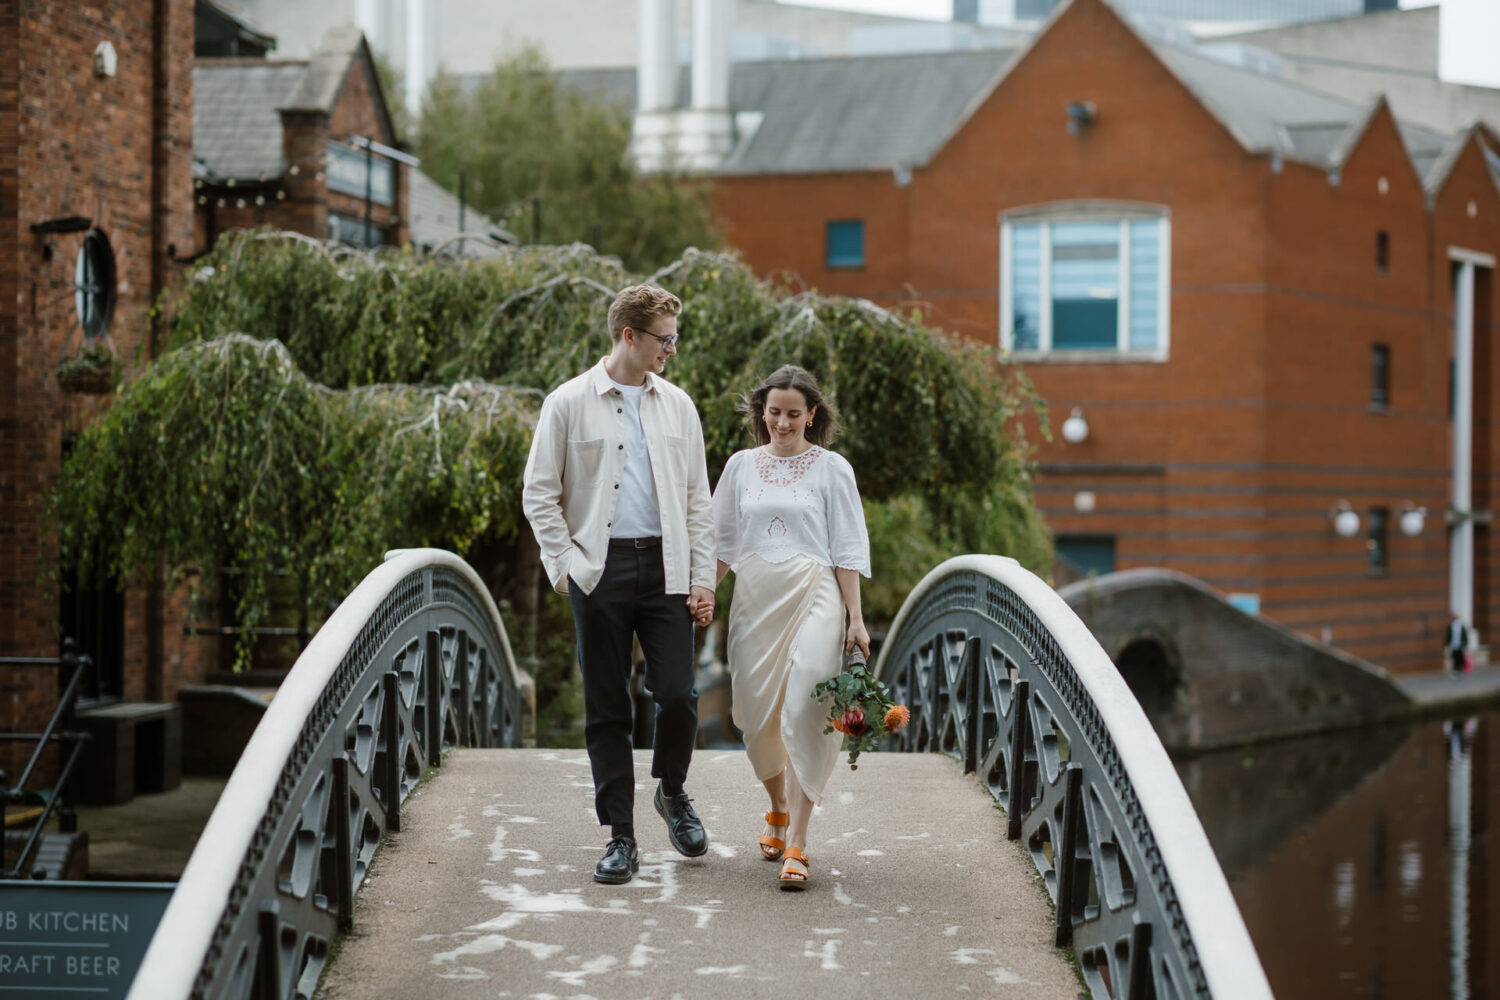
x=346 y=173
x=75 y=939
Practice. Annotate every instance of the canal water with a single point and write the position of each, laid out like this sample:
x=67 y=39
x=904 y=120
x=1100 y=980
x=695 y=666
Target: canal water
x=1366 y=863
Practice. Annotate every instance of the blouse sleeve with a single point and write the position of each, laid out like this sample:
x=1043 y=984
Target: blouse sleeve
x=727 y=511
x=848 y=541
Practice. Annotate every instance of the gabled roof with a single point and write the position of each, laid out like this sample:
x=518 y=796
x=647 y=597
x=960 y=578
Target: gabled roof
x=855 y=114
x=836 y=114
x=1442 y=167
x=1270 y=115
x=237 y=104
x=882 y=112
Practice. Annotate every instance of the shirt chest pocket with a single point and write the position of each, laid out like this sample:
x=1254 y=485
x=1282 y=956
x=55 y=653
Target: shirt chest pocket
x=677 y=458
x=585 y=464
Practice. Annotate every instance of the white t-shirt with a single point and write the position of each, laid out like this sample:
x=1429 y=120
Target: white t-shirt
x=638 y=514
x=780 y=507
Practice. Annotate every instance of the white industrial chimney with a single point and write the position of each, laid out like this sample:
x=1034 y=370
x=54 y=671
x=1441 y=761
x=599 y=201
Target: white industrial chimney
x=697 y=137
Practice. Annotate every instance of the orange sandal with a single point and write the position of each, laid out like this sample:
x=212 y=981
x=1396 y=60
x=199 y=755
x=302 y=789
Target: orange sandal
x=790 y=877
x=771 y=847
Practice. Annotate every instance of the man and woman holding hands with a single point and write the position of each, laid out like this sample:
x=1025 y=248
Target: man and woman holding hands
x=617 y=493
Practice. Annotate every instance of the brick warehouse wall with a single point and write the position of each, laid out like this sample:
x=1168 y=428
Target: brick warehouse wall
x=116 y=150
x=1222 y=462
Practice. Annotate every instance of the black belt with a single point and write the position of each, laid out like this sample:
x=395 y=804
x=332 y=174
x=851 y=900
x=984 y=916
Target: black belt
x=635 y=543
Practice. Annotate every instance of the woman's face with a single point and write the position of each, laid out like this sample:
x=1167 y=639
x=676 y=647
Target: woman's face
x=787 y=416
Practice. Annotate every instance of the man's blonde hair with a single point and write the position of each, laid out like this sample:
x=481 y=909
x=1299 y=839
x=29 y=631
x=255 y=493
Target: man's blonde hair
x=637 y=306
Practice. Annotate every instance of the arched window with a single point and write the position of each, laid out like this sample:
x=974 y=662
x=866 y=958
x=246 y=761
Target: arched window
x=1080 y=280
x=94 y=284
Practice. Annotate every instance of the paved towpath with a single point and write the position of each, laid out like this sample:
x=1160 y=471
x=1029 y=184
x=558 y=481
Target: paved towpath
x=487 y=891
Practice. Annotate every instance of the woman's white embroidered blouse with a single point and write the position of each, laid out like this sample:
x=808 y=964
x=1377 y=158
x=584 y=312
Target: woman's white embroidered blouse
x=780 y=507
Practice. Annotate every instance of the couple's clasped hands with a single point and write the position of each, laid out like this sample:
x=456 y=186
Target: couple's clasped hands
x=700 y=604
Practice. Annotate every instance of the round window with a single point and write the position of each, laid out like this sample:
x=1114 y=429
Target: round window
x=94 y=284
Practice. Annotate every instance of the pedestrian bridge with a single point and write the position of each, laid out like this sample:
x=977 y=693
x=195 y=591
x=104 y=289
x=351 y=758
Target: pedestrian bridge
x=401 y=729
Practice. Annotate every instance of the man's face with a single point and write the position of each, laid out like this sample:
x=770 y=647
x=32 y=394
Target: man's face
x=655 y=344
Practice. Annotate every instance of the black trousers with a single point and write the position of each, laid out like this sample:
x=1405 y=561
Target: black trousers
x=631 y=599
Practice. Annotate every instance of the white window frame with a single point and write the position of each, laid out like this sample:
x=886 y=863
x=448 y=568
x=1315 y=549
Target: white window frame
x=1121 y=212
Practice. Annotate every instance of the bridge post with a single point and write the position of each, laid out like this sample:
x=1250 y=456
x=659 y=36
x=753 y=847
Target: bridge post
x=390 y=685
x=973 y=654
x=483 y=673
x=461 y=670
x=1065 y=853
x=1020 y=709
x=1139 y=979
x=342 y=841
x=268 y=967
x=433 y=665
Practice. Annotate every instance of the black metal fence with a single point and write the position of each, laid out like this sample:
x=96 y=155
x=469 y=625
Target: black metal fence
x=998 y=671
x=73 y=674
x=415 y=661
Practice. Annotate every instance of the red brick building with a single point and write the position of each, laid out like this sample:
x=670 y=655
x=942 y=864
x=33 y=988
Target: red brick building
x=96 y=108
x=1251 y=294
x=288 y=143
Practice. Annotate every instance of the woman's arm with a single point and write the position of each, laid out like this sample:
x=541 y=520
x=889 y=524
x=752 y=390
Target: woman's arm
x=857 y=635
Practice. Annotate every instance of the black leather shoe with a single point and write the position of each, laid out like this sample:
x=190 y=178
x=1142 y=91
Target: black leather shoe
x=684 y=828
x=621 y=861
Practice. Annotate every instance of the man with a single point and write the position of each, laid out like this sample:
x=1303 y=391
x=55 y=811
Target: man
x=616 y=490
x=1456 y=642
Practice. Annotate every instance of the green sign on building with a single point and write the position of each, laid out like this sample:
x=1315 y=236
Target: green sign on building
x=75 y=939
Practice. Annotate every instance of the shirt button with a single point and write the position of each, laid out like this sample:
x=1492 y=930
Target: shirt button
x=609 y=524
x=622 y=447
x=618 y=410
x=617 y=485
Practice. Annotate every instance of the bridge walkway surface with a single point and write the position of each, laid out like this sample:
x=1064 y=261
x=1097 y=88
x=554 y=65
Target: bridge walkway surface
x=487 y=891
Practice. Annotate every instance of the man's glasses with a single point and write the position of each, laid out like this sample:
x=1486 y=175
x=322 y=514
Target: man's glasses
x=665 y=341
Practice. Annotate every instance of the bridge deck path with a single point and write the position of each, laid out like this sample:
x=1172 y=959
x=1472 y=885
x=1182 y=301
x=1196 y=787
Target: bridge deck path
x=487 y=891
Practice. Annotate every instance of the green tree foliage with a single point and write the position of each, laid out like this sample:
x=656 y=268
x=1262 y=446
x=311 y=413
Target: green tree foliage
x=321 y=405
x=531 y=147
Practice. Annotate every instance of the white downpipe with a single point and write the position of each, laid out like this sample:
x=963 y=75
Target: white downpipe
x=1461 y=540
x=1228 y=957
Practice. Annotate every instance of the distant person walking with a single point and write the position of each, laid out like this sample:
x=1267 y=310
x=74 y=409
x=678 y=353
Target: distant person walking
x=1457 y=644
x=616 y=490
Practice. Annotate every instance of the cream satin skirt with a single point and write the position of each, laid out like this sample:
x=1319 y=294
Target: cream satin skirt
x=786 y=633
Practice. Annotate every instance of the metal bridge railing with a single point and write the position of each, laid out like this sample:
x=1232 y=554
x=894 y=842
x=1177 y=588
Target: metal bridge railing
x=414 y=661
x=998 y=671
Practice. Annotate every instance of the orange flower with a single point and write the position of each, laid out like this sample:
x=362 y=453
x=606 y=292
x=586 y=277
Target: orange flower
x=838 y=724
x=897 y=716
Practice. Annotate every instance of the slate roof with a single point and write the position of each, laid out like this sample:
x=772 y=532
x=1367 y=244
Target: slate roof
x=880 y=112
x=236 y=127
x=433 y=213
x=237 y=104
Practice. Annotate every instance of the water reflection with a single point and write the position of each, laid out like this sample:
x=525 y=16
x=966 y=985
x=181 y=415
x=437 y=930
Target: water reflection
x=1363 y=862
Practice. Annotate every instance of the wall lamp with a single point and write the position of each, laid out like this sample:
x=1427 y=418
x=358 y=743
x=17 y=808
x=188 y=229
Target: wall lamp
x=1081 y=115
x=1413 y=519
x=1075 y=430
x=1345 y=520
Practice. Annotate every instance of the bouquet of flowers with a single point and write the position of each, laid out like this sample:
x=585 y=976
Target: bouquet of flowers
x=860 y=708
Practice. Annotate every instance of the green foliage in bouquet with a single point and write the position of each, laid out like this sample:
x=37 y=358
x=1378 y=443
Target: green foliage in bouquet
x=860 y=707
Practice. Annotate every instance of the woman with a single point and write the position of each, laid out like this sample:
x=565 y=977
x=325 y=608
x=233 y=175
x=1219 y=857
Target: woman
x=791 y=528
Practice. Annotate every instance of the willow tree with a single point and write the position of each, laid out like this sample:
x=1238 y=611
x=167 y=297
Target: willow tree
x=320 y=405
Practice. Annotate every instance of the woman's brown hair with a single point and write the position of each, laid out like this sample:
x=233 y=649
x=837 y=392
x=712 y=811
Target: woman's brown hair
x=825 y=424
